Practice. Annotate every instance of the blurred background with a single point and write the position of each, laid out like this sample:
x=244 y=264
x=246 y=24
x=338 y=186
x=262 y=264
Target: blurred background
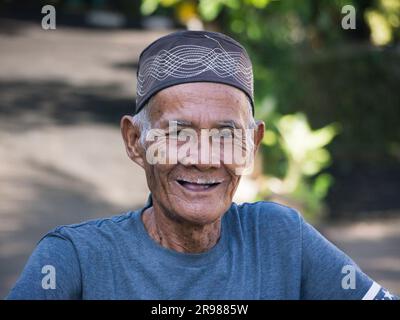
x=329 y=95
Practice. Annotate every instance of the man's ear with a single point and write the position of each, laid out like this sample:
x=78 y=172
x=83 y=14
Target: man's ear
x=131 y=135
x=258 y=135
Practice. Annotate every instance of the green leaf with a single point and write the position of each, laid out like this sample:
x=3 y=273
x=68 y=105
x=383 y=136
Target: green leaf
x=209 y=9
x=149 y=6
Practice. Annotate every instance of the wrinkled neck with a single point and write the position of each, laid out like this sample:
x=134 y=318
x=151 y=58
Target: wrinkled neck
x=180 y=236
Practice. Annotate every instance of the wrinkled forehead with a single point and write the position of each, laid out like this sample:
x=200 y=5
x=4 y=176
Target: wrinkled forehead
x=203 y=104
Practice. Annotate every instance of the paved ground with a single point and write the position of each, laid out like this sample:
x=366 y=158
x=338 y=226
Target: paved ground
x=62 y=94
x=374 y=245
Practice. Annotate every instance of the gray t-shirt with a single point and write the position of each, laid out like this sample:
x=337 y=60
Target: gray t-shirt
x=266 y=251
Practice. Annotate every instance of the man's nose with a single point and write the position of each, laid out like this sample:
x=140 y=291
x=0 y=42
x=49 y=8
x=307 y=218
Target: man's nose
x=204 y=156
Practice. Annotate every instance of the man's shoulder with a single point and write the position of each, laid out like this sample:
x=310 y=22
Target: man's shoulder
x=267 y=209
x=268 y=214
x=95 y=228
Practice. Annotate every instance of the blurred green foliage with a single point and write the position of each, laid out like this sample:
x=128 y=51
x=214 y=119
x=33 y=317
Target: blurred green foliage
x=305 y=156
x=309 y=73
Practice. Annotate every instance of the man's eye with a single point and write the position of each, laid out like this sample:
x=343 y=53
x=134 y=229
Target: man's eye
x=226 y=133
x=175 y=133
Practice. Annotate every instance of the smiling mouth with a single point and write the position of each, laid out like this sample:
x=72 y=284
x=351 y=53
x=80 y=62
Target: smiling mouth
x=198 y=185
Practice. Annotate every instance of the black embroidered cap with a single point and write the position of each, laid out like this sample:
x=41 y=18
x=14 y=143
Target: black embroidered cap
x=192 y=56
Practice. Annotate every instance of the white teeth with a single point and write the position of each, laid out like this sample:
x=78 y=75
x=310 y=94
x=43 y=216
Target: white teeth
x=201 y=181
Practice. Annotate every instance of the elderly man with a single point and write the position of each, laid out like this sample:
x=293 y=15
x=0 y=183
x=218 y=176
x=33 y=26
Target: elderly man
x=190 y=241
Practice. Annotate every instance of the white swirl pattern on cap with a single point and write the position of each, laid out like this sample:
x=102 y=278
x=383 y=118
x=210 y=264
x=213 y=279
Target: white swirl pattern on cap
x=186 y=61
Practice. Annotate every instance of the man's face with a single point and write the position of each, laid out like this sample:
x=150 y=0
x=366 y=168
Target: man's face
x=185 y=192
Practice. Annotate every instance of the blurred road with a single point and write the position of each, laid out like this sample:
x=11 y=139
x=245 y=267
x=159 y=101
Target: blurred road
x=62 y=93
x=373 y=244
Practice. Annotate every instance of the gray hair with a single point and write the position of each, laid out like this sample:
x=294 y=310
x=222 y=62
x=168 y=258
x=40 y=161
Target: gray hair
x=143 y=122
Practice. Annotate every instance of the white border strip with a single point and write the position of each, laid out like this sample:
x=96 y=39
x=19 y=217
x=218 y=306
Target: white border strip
x=372 y=292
